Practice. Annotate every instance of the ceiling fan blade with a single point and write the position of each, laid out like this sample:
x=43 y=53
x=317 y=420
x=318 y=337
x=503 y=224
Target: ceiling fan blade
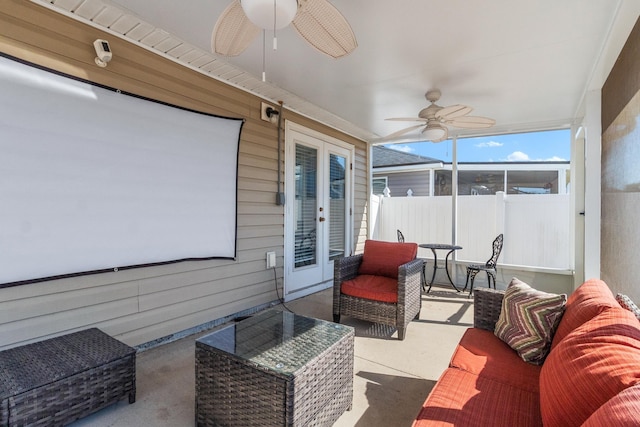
x=403 y=131
x=324 y=28
x=471 y=122
x=453 y=111
x=407 y=119
x=233 y=31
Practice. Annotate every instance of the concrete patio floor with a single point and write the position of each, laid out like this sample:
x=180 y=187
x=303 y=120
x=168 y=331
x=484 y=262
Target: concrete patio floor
x=392 y=378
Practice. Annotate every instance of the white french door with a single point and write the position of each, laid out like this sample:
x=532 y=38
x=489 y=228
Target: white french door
x=317 y=209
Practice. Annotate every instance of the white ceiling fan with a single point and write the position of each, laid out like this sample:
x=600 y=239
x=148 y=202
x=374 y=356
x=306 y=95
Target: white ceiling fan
x=436 y=119
x=317 y=21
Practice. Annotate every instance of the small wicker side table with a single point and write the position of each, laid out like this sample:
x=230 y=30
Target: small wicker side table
x=62 y=379
x=274 y=369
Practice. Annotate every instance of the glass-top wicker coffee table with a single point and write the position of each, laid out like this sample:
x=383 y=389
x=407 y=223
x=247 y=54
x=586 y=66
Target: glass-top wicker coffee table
x=273 y=369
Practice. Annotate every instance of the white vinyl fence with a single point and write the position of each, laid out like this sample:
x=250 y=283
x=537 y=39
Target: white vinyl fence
x=536 y=228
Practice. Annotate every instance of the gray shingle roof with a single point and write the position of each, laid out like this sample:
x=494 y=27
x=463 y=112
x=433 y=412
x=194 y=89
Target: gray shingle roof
x=386 y=157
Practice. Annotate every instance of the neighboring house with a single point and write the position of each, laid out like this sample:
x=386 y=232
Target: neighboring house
x=406 y=174
x=399 y=171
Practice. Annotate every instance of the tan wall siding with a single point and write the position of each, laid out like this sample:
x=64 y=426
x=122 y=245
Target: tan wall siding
x=145 y=304
x=361 y=195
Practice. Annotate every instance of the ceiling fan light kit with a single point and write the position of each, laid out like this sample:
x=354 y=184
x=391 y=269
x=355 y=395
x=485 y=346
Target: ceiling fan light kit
x=435 y=132
x=270 y=14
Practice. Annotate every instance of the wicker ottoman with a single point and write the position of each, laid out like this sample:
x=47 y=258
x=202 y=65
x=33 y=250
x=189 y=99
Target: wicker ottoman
x=59 y=380
x=274 y=369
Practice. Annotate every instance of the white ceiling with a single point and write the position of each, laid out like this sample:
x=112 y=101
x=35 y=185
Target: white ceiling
x=527 y=64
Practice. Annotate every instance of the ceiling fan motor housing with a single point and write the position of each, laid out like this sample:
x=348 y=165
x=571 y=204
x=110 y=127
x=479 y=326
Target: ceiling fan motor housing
x=429 y=112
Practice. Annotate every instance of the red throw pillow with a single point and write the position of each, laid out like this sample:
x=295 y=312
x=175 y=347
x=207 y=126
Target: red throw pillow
x=384 y=258
x=590 y=299
x=589 y=366
x=620 y=410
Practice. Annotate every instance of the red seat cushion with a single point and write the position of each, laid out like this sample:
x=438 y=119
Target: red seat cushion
x=463 y=399
x=384 y=258
x=589 y=366
x=590 y=299
x=377 y=288
x=480 y=352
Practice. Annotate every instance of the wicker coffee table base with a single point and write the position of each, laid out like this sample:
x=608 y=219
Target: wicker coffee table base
x=230 y=391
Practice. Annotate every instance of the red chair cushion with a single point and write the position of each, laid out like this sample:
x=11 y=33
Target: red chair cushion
x=377 y=288
x=590 y=299
x=589 y=366
x=480 y=352
x=463 y=399
x=384 y=258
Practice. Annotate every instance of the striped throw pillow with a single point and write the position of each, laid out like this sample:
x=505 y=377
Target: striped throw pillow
x=528 y=320
x=626 y=302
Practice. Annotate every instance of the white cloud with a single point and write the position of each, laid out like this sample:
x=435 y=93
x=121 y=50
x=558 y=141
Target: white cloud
x=489 y=144
x=403 y=148
x=518 y=156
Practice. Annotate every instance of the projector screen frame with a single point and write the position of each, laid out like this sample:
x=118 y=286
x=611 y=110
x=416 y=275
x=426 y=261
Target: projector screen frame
x=145 y=264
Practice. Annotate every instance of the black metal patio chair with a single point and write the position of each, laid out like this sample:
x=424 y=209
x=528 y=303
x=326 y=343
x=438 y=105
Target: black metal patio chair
x=489 y=267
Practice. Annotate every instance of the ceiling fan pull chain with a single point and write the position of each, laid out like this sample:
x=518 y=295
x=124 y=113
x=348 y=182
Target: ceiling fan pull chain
x=275 y=14
x=264 y=61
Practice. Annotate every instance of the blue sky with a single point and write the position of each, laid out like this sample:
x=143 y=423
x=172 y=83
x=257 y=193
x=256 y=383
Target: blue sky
x=534 y=146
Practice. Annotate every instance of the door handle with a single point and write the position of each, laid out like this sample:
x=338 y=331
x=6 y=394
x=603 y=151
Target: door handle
x=321 y=219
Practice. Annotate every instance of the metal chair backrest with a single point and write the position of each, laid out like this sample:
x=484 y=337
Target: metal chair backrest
x=497 y=248
x=400 y=236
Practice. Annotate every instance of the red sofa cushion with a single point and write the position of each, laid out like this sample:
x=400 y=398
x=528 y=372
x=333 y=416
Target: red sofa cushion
x=480 y=352
x=377 y=288
x=589 y=366
x=384 y=258
x=623 y=409
x=590 y=299
x=460 y=398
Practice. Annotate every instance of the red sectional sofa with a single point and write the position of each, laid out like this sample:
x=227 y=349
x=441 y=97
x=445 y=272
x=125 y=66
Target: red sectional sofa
x=590 y=377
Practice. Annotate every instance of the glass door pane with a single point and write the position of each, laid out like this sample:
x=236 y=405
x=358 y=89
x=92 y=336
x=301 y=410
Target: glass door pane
x=337 y=205
x=306 y=206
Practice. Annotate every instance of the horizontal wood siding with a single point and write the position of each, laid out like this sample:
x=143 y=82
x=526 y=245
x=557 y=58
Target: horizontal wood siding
x=361 y=198
x=145 y=304
x=400 y=182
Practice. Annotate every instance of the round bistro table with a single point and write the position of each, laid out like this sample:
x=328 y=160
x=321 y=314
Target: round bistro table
x=444 y=247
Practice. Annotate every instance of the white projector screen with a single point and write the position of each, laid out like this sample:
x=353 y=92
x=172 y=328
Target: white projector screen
x=95 y=180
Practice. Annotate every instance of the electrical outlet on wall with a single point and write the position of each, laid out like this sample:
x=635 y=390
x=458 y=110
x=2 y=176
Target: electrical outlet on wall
x=271 y=259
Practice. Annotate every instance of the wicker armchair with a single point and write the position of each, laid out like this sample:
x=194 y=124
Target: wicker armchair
x=397 y=314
